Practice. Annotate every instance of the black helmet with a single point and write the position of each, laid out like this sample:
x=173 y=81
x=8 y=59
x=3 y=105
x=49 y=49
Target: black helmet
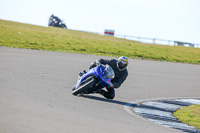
x=122 y=63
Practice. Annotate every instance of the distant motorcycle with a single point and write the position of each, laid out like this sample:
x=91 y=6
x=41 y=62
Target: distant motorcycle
x=94 y=80
x=54 y=21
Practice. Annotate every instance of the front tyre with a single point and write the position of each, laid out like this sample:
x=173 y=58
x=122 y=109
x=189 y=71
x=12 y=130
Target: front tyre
x=88 y=83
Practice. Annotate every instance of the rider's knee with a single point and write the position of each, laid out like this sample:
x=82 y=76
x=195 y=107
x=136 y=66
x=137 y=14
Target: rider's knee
x=111 y=96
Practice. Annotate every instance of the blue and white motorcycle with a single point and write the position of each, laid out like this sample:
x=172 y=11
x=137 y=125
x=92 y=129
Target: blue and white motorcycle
x=94 y=80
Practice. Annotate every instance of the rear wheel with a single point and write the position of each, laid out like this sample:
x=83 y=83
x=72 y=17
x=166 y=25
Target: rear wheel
x=88 y=83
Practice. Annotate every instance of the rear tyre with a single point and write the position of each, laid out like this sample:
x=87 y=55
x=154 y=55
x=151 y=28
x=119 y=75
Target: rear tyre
x=88 y=83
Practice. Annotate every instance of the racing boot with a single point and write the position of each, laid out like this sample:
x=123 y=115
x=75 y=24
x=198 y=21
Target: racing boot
x=81 y=73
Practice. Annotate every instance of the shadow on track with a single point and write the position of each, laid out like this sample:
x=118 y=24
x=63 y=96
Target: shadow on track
x=107 y=100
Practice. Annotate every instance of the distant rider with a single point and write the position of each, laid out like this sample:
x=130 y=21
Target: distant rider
x=119 y=67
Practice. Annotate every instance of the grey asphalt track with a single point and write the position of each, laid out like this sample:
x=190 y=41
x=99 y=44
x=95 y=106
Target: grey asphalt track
x=35 y=93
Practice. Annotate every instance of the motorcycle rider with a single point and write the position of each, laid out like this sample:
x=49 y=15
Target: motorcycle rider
x=119 y=67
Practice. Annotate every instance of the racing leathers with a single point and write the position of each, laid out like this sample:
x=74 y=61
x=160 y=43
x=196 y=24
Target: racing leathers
x=120 y=76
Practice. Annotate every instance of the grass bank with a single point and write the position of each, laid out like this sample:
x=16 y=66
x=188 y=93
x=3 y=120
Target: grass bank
x=27 y=36
x=189 y=115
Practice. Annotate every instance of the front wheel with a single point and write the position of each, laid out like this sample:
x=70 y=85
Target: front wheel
x=88 y=83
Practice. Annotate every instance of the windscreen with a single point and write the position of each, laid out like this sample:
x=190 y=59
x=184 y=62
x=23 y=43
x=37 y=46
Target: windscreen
x=108 y=72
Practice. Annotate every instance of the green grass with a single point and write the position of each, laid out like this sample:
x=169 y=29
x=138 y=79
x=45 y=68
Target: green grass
x=189 y=115
x=19 y=35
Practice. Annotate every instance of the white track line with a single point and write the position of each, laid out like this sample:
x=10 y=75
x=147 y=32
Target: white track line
x=129 y=107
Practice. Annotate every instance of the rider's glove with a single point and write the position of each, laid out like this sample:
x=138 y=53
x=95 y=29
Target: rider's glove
x=93 y=63
x=98 y=64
